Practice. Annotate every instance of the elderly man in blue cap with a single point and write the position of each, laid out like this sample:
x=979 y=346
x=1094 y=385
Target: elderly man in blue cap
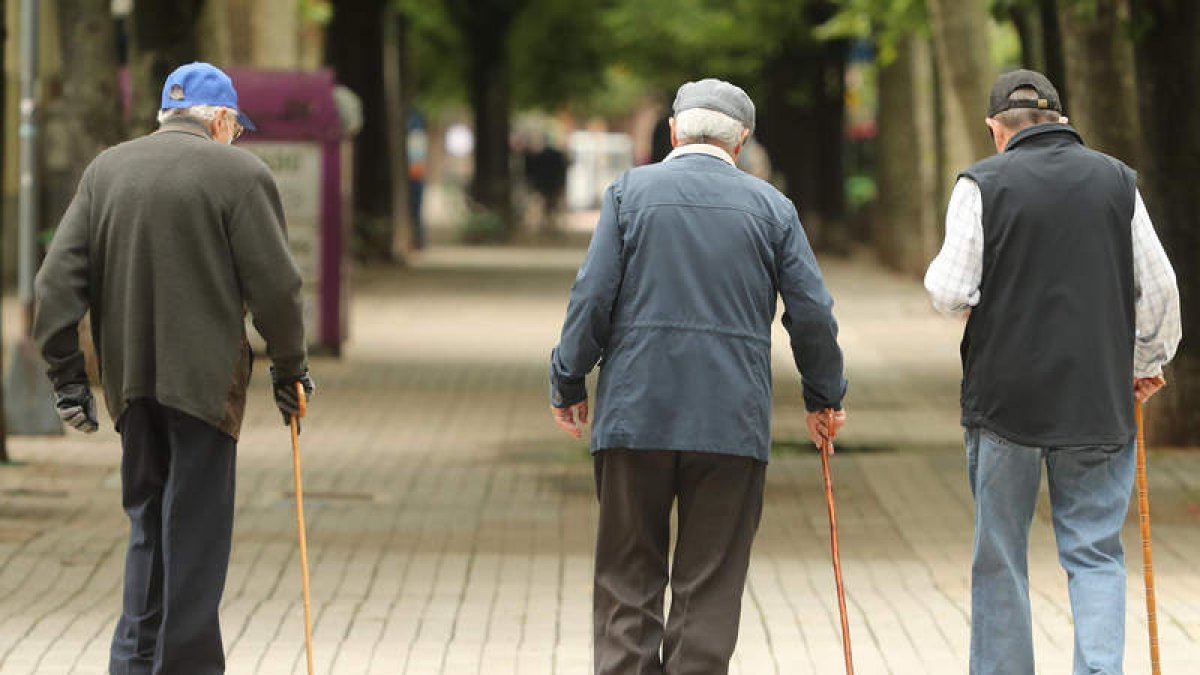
x=169 y=239
x=675 y=300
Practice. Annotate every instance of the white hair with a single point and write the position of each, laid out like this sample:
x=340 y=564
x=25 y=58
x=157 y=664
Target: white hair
x=203 y=113
x=700 y=125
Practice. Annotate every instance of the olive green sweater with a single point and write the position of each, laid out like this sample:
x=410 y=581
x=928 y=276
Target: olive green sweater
x=168 y=240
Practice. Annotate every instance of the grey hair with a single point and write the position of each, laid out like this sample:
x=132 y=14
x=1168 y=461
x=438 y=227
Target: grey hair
x=700 y=125
x=1019 y=118
x=204 y=113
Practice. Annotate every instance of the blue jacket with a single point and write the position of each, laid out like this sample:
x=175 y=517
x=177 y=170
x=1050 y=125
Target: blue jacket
x=675 y=300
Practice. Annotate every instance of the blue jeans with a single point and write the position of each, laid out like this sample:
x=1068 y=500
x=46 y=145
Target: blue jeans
x=1090 y=488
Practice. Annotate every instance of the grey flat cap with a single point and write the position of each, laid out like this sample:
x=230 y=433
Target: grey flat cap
x=718 y=95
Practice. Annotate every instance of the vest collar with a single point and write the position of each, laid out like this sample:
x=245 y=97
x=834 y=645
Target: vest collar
x=1039 y=130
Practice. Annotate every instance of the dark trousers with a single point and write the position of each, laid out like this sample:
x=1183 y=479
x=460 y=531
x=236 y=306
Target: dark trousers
x=177 y=486
x=719 y=505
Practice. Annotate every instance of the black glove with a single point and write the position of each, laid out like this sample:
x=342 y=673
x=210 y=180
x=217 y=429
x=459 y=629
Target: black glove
x=285 y=393
x=77 y=407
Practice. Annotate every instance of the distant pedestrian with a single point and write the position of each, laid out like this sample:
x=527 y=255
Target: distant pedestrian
x=675 y=300
x=417 y=144
x=167 y=241
x=1073 y=311
x=546 y=172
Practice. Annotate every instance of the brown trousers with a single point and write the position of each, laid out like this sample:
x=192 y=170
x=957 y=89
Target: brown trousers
x=720 y=501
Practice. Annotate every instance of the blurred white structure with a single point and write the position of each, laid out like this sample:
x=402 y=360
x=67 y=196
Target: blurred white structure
x=596 y=160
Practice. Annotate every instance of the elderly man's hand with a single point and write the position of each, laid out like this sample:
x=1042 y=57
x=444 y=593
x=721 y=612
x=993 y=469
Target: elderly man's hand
x=571 y=419
x=1145 y=387
x=823 y=427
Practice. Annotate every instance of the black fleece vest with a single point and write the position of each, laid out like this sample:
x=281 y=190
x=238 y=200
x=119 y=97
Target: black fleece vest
x=1048 y=352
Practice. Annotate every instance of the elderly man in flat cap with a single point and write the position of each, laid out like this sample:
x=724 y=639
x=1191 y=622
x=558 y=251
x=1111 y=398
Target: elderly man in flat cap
x=675 y=301
x=167 y=241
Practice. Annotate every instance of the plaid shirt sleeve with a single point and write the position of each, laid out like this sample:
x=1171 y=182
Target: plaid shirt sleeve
x=954 y=275
x=1157 y=298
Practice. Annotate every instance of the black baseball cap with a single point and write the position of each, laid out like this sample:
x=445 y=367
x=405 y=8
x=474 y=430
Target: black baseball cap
x=1011 y=81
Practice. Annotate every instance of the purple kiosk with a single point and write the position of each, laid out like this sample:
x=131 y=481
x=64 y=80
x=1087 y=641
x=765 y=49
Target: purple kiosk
x=300 y=136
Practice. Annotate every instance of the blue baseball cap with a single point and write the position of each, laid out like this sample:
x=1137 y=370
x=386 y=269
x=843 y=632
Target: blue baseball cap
x=202 y=84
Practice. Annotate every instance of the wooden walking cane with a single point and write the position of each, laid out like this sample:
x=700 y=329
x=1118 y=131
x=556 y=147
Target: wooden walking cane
x=826 y=451
x=295 y=424
x=1143 y=494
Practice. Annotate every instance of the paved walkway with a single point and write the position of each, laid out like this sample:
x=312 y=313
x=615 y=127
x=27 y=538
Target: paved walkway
x=451 y=525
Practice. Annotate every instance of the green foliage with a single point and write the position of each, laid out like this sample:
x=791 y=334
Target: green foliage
x=1005 y=44
x=671 y=41
x=439 y=58
x=558 y=52
x=861 y=190
x=316 y=11
x=619 y=92
x=884 y=21
x=667 y=41
x=483 y=227
x=1086 y=10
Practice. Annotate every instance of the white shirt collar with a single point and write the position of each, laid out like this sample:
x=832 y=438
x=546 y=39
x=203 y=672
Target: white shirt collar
x=700 y=149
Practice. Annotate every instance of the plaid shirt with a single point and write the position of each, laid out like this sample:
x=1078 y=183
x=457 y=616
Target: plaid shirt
x=954 y=275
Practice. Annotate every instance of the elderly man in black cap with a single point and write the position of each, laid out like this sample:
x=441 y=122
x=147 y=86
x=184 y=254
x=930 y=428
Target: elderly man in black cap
x=677 y=295
x=1073 y=313
x=168 y=240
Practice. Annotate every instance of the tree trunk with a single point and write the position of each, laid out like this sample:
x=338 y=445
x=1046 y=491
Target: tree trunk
x=395 y=56
x=355 y=50
x=1028 y=23
x=960 y=36
x=1041 y=40
x=275 y=27
x=1167 y=56
x=215 y=34
x=1054 y=66
x=1100 y=76
x=801 y=124
x=162 y=37
x=905 y=232
x=485 y=26
x=85 y=115
x=491 y=186
x=3 y=143
x=827 y=165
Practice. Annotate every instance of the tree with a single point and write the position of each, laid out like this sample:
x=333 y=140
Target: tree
x=355 y=50
x=162 y=37
x=905 y=224
x=1100 y=76
x=3 y=109
x=485 y=26
x=964 y=77
x=1037 y=24
x=1167 y=56
x=908 y=164
x=803 y=112
x=397 y=72
x=84 y=116
x=499 y=55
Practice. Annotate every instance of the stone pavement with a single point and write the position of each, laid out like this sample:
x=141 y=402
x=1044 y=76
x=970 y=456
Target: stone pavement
x=450 y=524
